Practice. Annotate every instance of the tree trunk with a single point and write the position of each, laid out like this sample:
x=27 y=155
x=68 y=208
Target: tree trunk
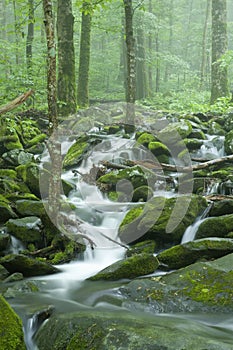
x=150 y=75
x=30 y=37
x=84 y=59
x=54 y=145
x=140 y=60
x=16 y=24
x=170 y=42
x=66 y=87
x=204 y=43
x=219 y=83
x=157 y=80
x=131 y=76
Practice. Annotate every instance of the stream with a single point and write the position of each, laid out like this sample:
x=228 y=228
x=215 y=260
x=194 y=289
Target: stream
x=69 y=290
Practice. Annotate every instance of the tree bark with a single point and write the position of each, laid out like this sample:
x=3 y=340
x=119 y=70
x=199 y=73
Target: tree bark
x=16 y=102
x=66 y=88
x=131 y=75
x=204 y=43
x=84 y=59
x=141 y=84
x=30 y=37
x=219 y=79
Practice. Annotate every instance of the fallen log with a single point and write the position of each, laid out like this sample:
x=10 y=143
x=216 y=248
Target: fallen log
x=16 y=102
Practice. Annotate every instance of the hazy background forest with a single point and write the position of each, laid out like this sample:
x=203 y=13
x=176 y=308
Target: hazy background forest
x=173 y=51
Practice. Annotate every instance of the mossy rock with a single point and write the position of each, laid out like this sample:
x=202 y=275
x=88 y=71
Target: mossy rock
x=137 y=176
x=160 y=151
x=218 y=226
x=77 y=151
x=30 y=174
x=161 y=219
x=27 y=229
x=17 y=276
x=11 y=328
x=8 y=173
x=4 y=241
x=145 y=138
x=204 y=287
x=222 y=207
x=35 y=140
x=134 y=266
x=174 y=132
x=3 y=273
x=6 y=212
x=146 y=247
x=107 y=330
x=20 y=288
x=27 y=207
x=215 y=129
x=197 y=134
x=27 y=266
x=142 y=194
x=17 y=157
x=185 y=254
x=193 y=144
x=228 y=143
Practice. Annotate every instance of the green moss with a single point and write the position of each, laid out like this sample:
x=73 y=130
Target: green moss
x=145 y=138
x=8 y=173
x=11 y=333
x=142 y=193
x=91 y=339
x=132 y=215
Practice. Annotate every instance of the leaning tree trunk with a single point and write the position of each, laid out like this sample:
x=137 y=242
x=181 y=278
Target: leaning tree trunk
x=54 y=145
x=131 y=66
x=84 y=59
x=219 y=80
x=66 y=87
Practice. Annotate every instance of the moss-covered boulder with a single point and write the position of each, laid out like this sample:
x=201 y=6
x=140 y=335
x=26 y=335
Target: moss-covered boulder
x=3 y=273
x=4 y=241
x=27 y=266
x=27 y=229
x=200 y=287
x=145 y=138
x=126 y=331
x=147 y=247
x=134 y=266
x=228 y=143
x=185 y=254
x=16 y=157
x=142 y=194
x=126 y=180
x=214 y=128
x=6 y=212
x=193 y=144
x=17 y=276
x=160 y=151
x=27 y=207
x=197 y=134
x=80 y=148
x=222 y=207
x=173 y=132
x=219 y=226
x=161 y=219
x=11 y=328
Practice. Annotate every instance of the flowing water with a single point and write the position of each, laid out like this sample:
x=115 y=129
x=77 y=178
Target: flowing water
x=69 y=291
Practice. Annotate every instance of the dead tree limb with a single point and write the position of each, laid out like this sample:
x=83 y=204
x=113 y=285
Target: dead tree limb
x=16 y=102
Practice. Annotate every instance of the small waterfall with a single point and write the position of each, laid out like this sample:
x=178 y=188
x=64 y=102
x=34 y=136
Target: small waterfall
x=212 y=148
x=16 y=246
x=191 y=230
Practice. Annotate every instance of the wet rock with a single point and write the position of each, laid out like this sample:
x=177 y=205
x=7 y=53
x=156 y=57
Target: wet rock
x=228 y=143
x=144 y=138
x=221 y=207
x=4 y=241
x=17 y=276
x=6 y=212
x=218 y=226
x=161 y=219
x=12 y=336
x=147 y=247
x=26 y=207
x=193 y=144
x=142 y=194
x=98 y=330
x=80 y=148
x=160 y=151
x=3 y=273
x=27 y=266
x=174 y=132
x=134 y=266
x=200 y=287
x=19 y=288
x=126 y=180
x=16 y=157
x=185 y=254
x=215 y=128
x=27 y=229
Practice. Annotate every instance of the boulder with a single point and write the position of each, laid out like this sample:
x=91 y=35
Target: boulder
x=147 y=247
x=228 y=143
x=27 y=229
x=174 y=132
x=161 y=219
x=145 y=138
x=4 y=241
x=6 y=212
x=222 y=207
x=134 y=266
x=160 y=151
x=218 y=226
x=27 y=266
x=185 y=254
x=27 y=207
x=100 y=330
x=11 y=328
x=142 y=194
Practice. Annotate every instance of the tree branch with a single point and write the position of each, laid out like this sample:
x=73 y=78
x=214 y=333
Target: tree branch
x=16 y=102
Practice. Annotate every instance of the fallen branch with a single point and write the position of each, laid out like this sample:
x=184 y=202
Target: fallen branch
x=16 y=102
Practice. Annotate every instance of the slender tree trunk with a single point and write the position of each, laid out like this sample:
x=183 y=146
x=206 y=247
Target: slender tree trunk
x=4 y=34
x=170 y=42
x=84 y=59
x=204 y=43
x=150 y=74
x=131 y=76
x=16 y=24
x=123 y=57
x=219 y=83
x=66 y=59
x=141 y=84
x=30 y=36
x=157 y=80
x=54 y=145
